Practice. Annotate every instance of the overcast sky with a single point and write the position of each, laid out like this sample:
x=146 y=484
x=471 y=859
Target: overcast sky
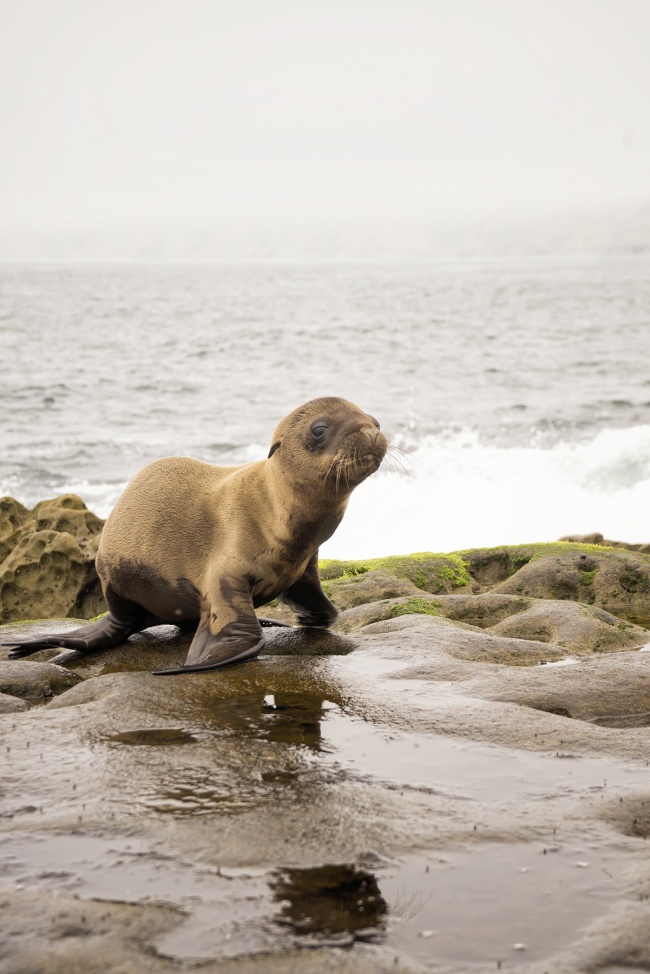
x=137 y=112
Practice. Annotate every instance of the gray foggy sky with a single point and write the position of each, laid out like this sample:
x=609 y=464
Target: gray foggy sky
x=136 y=112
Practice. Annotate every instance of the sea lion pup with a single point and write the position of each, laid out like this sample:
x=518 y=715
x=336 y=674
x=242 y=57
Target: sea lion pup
x=191 y=541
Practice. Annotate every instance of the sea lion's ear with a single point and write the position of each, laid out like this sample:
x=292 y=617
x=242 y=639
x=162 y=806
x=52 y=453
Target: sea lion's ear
x=276 y=446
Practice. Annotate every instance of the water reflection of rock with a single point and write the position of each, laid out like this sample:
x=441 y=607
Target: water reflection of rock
x=340 y=901
x=294 y=718
x=285 y=717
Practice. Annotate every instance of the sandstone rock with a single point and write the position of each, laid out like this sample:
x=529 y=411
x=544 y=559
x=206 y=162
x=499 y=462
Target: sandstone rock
x=47 y=565
x=12 y=516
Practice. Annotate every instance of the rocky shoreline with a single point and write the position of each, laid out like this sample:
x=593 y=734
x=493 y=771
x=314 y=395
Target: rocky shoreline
x=455 y=778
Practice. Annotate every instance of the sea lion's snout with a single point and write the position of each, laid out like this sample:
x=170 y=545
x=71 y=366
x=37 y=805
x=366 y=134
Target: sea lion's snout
x=361 y=452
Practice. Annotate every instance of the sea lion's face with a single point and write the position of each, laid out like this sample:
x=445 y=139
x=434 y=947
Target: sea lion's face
x=333 y=439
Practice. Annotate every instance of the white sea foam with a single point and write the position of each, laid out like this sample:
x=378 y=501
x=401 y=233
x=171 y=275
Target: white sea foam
x=462 y=492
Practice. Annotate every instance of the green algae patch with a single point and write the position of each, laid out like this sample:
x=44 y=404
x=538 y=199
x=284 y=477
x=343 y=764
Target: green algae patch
x=414 y=607
x=427 y=571
x=587 y=578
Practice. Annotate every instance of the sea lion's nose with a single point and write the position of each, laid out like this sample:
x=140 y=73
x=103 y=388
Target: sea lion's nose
x=374 y=435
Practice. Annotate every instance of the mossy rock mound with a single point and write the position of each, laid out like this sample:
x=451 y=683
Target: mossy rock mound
x=392 y=608
x=426 y=571
x=615 y=580
x=580 y=628
x=47 y=560
x=483 y=586
x=375 y=586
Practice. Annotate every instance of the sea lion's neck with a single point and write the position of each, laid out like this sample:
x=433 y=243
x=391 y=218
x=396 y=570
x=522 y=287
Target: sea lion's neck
x=294 y=503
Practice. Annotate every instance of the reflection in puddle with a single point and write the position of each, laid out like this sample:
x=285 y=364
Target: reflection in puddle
x=340 y=902
x=294 y=718
x=153 y=736
x=281 y=717
x=459 y=907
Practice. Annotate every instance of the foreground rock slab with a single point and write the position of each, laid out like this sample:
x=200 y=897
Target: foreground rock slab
x=457 y=779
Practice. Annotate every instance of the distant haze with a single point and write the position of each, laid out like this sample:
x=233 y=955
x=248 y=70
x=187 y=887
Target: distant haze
x=162 y=125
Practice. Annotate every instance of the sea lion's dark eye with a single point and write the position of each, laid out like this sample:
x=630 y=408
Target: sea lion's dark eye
x=375 y=422
x=319 y=430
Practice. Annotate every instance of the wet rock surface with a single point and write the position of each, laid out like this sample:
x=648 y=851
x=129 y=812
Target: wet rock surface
x=455 y=778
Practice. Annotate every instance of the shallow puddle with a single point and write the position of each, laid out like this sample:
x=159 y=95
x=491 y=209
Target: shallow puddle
x=466 y=769
x=495 y=903
x=500 y=902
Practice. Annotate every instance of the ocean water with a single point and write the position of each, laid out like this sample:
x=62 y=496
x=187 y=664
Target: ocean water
x=518 y=390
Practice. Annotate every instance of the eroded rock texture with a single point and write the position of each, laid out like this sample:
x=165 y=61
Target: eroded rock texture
x=47 y=560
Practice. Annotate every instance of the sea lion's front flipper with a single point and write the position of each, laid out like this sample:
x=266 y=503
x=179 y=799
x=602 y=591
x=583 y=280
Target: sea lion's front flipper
x=102 y=634
x=239 y=640
x=307 y=599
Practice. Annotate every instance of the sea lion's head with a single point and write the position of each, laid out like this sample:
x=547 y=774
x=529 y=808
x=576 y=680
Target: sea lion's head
x=330 y=440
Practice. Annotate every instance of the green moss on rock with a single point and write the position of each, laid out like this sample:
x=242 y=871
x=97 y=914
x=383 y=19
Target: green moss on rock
x=427 y=571
x=414 y=607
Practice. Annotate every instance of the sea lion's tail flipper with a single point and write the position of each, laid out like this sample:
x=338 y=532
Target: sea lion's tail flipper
x=102 y=634
x=237 y=642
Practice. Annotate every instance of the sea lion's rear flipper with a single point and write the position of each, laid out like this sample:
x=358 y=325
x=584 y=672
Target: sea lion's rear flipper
x=102 y=634
x=237 y=642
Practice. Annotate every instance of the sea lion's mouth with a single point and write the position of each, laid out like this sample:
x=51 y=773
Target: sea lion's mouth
x=352 y=469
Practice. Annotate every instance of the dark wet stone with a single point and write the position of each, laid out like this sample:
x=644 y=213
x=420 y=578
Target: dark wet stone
x=24 y=678
x=301 y=641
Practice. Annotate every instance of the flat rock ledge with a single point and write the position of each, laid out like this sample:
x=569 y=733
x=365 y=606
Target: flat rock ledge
x=455 y=778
